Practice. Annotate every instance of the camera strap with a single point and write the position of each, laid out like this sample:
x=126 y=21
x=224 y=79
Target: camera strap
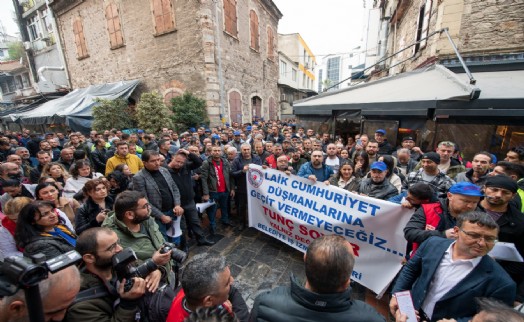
x=91 y=293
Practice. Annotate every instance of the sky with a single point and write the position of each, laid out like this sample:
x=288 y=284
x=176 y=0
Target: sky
x=327 y=26
x=6 y=17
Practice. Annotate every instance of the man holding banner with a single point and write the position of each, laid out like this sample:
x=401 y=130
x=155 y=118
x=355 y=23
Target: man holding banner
x=326 y=295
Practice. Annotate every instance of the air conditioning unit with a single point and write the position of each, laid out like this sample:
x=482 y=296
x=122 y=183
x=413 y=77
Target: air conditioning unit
x=27 y=45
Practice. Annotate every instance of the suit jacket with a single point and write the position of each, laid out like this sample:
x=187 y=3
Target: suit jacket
x=143 y=181
x=488 y=279
x=209 y=176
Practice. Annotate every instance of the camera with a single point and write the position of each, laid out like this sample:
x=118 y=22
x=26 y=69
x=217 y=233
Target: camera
x=177 y=255
x=122 y=264
x=22 y=272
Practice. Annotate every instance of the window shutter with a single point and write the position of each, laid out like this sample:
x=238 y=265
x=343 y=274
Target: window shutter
x=425 y=22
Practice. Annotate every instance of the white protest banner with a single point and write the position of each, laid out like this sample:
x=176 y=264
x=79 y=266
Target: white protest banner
x=297 y=210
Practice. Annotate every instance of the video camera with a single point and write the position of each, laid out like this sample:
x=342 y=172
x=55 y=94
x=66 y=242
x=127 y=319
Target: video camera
x=23 y=272
x=122 y=264
x=27 y=272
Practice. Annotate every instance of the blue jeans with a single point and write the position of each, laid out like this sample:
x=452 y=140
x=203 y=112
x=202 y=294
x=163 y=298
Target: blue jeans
x=164 y=227
x=221 y=200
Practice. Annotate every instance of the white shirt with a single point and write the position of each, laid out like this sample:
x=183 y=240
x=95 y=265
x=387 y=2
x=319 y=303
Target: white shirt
x=448 y=274
x=333 y=163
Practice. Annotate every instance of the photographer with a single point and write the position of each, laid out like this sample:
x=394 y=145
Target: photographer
x=57 y=292
x=135 y=228
x=97 y=247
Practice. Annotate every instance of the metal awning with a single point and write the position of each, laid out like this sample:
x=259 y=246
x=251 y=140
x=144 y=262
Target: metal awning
x=414 y=91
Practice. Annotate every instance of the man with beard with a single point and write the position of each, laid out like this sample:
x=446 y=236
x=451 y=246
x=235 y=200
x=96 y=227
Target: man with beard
x=271 y=161
x=479 y=171
x=260 y=152
x=26 y=161
x=239 y=168
x=316 y=170
x=296 y=160
x=97 y=247
x=57 y=292
x=498 y=193
x=372 y=150
x=181 y=167
x=132 y=222
x=430 y=174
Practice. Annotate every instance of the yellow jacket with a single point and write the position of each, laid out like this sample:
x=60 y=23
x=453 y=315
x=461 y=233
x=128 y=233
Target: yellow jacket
x=133 y=162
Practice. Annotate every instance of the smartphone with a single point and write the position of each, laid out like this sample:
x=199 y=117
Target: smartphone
x=405 y=305
x=359 y=142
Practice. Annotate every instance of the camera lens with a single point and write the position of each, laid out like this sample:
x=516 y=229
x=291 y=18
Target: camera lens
x=143 y=270
x=178 y=256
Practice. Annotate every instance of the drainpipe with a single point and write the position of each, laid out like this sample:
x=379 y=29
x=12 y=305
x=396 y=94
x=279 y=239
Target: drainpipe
x=220 y=70
x=42 y=69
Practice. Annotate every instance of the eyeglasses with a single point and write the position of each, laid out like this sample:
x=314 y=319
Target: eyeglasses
x=113 y=246
x=478 y=237
x=146 y=206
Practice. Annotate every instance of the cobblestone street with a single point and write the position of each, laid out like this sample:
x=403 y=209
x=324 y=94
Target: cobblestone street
x=259 y=262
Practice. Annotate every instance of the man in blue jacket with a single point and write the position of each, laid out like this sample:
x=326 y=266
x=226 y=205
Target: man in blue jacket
x=316 y=169
x=445 y=275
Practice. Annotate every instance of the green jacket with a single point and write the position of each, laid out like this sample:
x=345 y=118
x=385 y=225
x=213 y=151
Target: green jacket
x=100 y=309
x=143 y=246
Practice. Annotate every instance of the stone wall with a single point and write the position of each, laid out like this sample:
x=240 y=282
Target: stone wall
x=492 y=26
x=186 y=59
x=476 y=27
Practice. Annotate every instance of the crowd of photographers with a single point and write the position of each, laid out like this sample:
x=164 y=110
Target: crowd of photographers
x=127 y=204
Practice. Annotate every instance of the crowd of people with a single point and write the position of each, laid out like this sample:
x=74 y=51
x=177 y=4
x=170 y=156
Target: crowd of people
x=115 y=191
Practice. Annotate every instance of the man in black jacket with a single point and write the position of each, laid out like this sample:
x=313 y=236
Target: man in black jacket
x=498 y=194
x=180 y=168
x=99 y=155
x=326 y=296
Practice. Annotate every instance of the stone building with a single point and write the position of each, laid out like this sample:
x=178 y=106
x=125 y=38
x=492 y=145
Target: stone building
x=485 y=32
x=223 y=51
x=420 y=88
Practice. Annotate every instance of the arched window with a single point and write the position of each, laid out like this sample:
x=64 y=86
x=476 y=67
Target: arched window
x=235 y=107
x=255 y=34
x=230 y=17
x=114 y=27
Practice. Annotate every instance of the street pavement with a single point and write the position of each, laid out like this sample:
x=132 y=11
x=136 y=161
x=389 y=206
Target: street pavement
x=257 y=261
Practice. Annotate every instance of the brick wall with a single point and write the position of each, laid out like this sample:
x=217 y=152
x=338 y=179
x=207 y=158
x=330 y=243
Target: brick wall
x=185 y=59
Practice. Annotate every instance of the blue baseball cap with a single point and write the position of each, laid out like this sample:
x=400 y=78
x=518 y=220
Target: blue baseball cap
x=379 y=165
x=466 y=189
x=192 y=130
x=249 y=128
x=207 y=131
x=236 y=133
x=215 y=136
x=381 y=131
x=140 y=131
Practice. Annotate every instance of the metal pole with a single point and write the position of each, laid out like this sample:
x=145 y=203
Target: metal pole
x=472 y=80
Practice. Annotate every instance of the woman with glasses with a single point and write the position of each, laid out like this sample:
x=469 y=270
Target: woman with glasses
x=41 y=229
x=50 y=192
x=94 y=211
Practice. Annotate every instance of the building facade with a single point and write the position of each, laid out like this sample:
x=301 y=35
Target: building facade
x=15 y=83
x=297 y=65
x=222 y=51
x=44 y=55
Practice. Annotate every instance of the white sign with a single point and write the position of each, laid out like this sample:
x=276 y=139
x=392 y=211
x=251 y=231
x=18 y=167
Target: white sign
x=296 y=210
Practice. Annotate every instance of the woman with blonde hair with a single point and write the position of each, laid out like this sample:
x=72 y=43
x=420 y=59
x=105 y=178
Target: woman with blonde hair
x=7 y=229
x=56 y=171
